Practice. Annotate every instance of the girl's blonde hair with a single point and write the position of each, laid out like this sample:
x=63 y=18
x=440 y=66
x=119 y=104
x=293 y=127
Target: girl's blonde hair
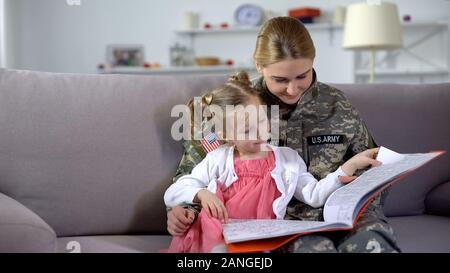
x=236 y=91
x=282 y=38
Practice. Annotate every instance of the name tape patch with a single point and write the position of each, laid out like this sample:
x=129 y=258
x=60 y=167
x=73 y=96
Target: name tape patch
x=326 y=139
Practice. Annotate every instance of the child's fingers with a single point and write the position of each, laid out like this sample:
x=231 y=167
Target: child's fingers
x=373 y=162
x=222 y=212
x=346 y=179
x=208 y=210
x=225 y=215
x=213 y=210
x=372 y=153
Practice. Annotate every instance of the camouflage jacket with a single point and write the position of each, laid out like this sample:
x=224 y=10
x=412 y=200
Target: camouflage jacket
x=323 y=127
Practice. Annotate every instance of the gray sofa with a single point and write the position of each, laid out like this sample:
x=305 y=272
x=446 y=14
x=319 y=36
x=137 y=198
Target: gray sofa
x=85 y=159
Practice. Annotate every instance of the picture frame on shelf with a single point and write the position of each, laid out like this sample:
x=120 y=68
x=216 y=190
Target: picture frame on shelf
x=125 y=55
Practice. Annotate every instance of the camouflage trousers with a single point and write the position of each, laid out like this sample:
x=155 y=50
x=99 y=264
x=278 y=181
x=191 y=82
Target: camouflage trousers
x=371 y=234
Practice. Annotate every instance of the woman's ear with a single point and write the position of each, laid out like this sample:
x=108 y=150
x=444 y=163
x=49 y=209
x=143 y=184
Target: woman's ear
x=259 y=68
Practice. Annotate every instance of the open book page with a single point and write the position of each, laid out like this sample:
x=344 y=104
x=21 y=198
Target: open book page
x=245 y=230
x=345 y=203
x=387 y=156
x=340 y=210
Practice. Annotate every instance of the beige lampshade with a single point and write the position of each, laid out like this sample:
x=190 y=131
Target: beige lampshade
x=372 y=26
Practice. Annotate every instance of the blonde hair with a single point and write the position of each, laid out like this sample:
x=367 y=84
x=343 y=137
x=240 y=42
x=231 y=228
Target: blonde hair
x=282 y=38
x=236 y=91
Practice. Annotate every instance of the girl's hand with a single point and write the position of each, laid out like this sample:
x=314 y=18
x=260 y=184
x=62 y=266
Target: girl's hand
x=212 y=205
x=361 y=161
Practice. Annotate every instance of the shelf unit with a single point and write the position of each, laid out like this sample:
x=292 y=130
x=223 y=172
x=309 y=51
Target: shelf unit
x=392 y=72
x=239 y=29
x=191 y=33
x=219 y=69
x=392 y=68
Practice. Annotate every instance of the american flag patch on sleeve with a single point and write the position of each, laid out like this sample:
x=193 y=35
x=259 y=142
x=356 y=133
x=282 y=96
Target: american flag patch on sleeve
x=210 y=142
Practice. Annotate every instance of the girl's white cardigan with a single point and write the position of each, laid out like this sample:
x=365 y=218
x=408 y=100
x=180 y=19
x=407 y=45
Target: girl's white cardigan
x=290 y=175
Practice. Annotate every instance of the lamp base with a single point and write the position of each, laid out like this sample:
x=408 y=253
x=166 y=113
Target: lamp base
x=372 y=66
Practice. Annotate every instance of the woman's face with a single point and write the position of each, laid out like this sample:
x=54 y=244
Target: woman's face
x=288 y=79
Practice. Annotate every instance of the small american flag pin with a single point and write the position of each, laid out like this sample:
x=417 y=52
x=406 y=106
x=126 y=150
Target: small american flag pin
x=210 y=142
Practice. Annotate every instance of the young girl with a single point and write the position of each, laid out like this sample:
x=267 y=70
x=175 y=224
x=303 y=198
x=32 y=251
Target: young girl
x=248 y=178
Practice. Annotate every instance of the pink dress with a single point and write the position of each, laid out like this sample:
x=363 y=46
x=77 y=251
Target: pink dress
x=250 y=197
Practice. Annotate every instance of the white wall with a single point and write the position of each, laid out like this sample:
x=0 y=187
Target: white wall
x=50 y=35
x=2 y=33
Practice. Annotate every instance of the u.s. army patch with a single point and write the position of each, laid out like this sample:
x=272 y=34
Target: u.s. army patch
x=326 y=139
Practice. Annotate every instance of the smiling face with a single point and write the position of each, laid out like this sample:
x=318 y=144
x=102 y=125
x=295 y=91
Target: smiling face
x=288 y=79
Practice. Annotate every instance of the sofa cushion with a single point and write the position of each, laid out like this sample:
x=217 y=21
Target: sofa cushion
x=21 y=230
x=92 y=154
x=438 y=200
x=408 y=119
x=114 y=244
x=422 y=233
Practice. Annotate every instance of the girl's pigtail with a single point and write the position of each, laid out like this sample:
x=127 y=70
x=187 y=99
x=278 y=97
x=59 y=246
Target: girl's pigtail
x=241 y=79
x=199 y=104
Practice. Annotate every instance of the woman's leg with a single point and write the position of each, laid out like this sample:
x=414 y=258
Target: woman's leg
x=309 y=244
x=372 y=233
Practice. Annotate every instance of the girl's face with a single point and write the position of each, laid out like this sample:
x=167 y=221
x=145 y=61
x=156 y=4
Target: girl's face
x=288 y=79
x=251 y=129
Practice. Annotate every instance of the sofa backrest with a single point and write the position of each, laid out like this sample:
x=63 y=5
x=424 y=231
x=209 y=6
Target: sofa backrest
x=92 y=154
x=408 y=119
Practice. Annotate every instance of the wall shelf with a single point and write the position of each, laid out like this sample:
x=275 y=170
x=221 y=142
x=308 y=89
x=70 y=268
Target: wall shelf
x=392 y=72
x=239 y=29
x=219 y=69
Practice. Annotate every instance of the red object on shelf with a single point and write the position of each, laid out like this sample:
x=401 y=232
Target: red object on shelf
x=304 y=12
x=207 y=25
x=224 y=25
x=230 y=62
x=147 y=65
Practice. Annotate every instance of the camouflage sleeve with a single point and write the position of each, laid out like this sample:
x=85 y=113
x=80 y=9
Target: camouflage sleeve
x=193 y=154
x=362 y=139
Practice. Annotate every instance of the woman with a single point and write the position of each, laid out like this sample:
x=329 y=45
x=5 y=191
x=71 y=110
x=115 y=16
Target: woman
x=318 y=122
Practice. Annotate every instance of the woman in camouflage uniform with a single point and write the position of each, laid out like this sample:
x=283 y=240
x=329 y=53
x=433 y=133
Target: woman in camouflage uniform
x=319 y=123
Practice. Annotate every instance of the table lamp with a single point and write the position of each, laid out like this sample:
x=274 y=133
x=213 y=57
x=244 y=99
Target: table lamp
x=372 y=27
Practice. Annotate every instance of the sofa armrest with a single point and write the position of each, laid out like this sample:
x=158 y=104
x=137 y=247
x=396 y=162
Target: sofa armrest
x=21 y=230
x=437 y=200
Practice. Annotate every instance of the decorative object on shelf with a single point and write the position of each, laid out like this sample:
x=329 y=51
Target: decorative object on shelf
x=249 y=15
x=372 y=27
x=306 y=15
x=181 y=55
x=125 y=55
x=339 y=15
x=207 y=26
x=229 y=62
x=207 y=61
x=151 y=65
x=191 y=20
x=224 y=25
x=406 y=18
